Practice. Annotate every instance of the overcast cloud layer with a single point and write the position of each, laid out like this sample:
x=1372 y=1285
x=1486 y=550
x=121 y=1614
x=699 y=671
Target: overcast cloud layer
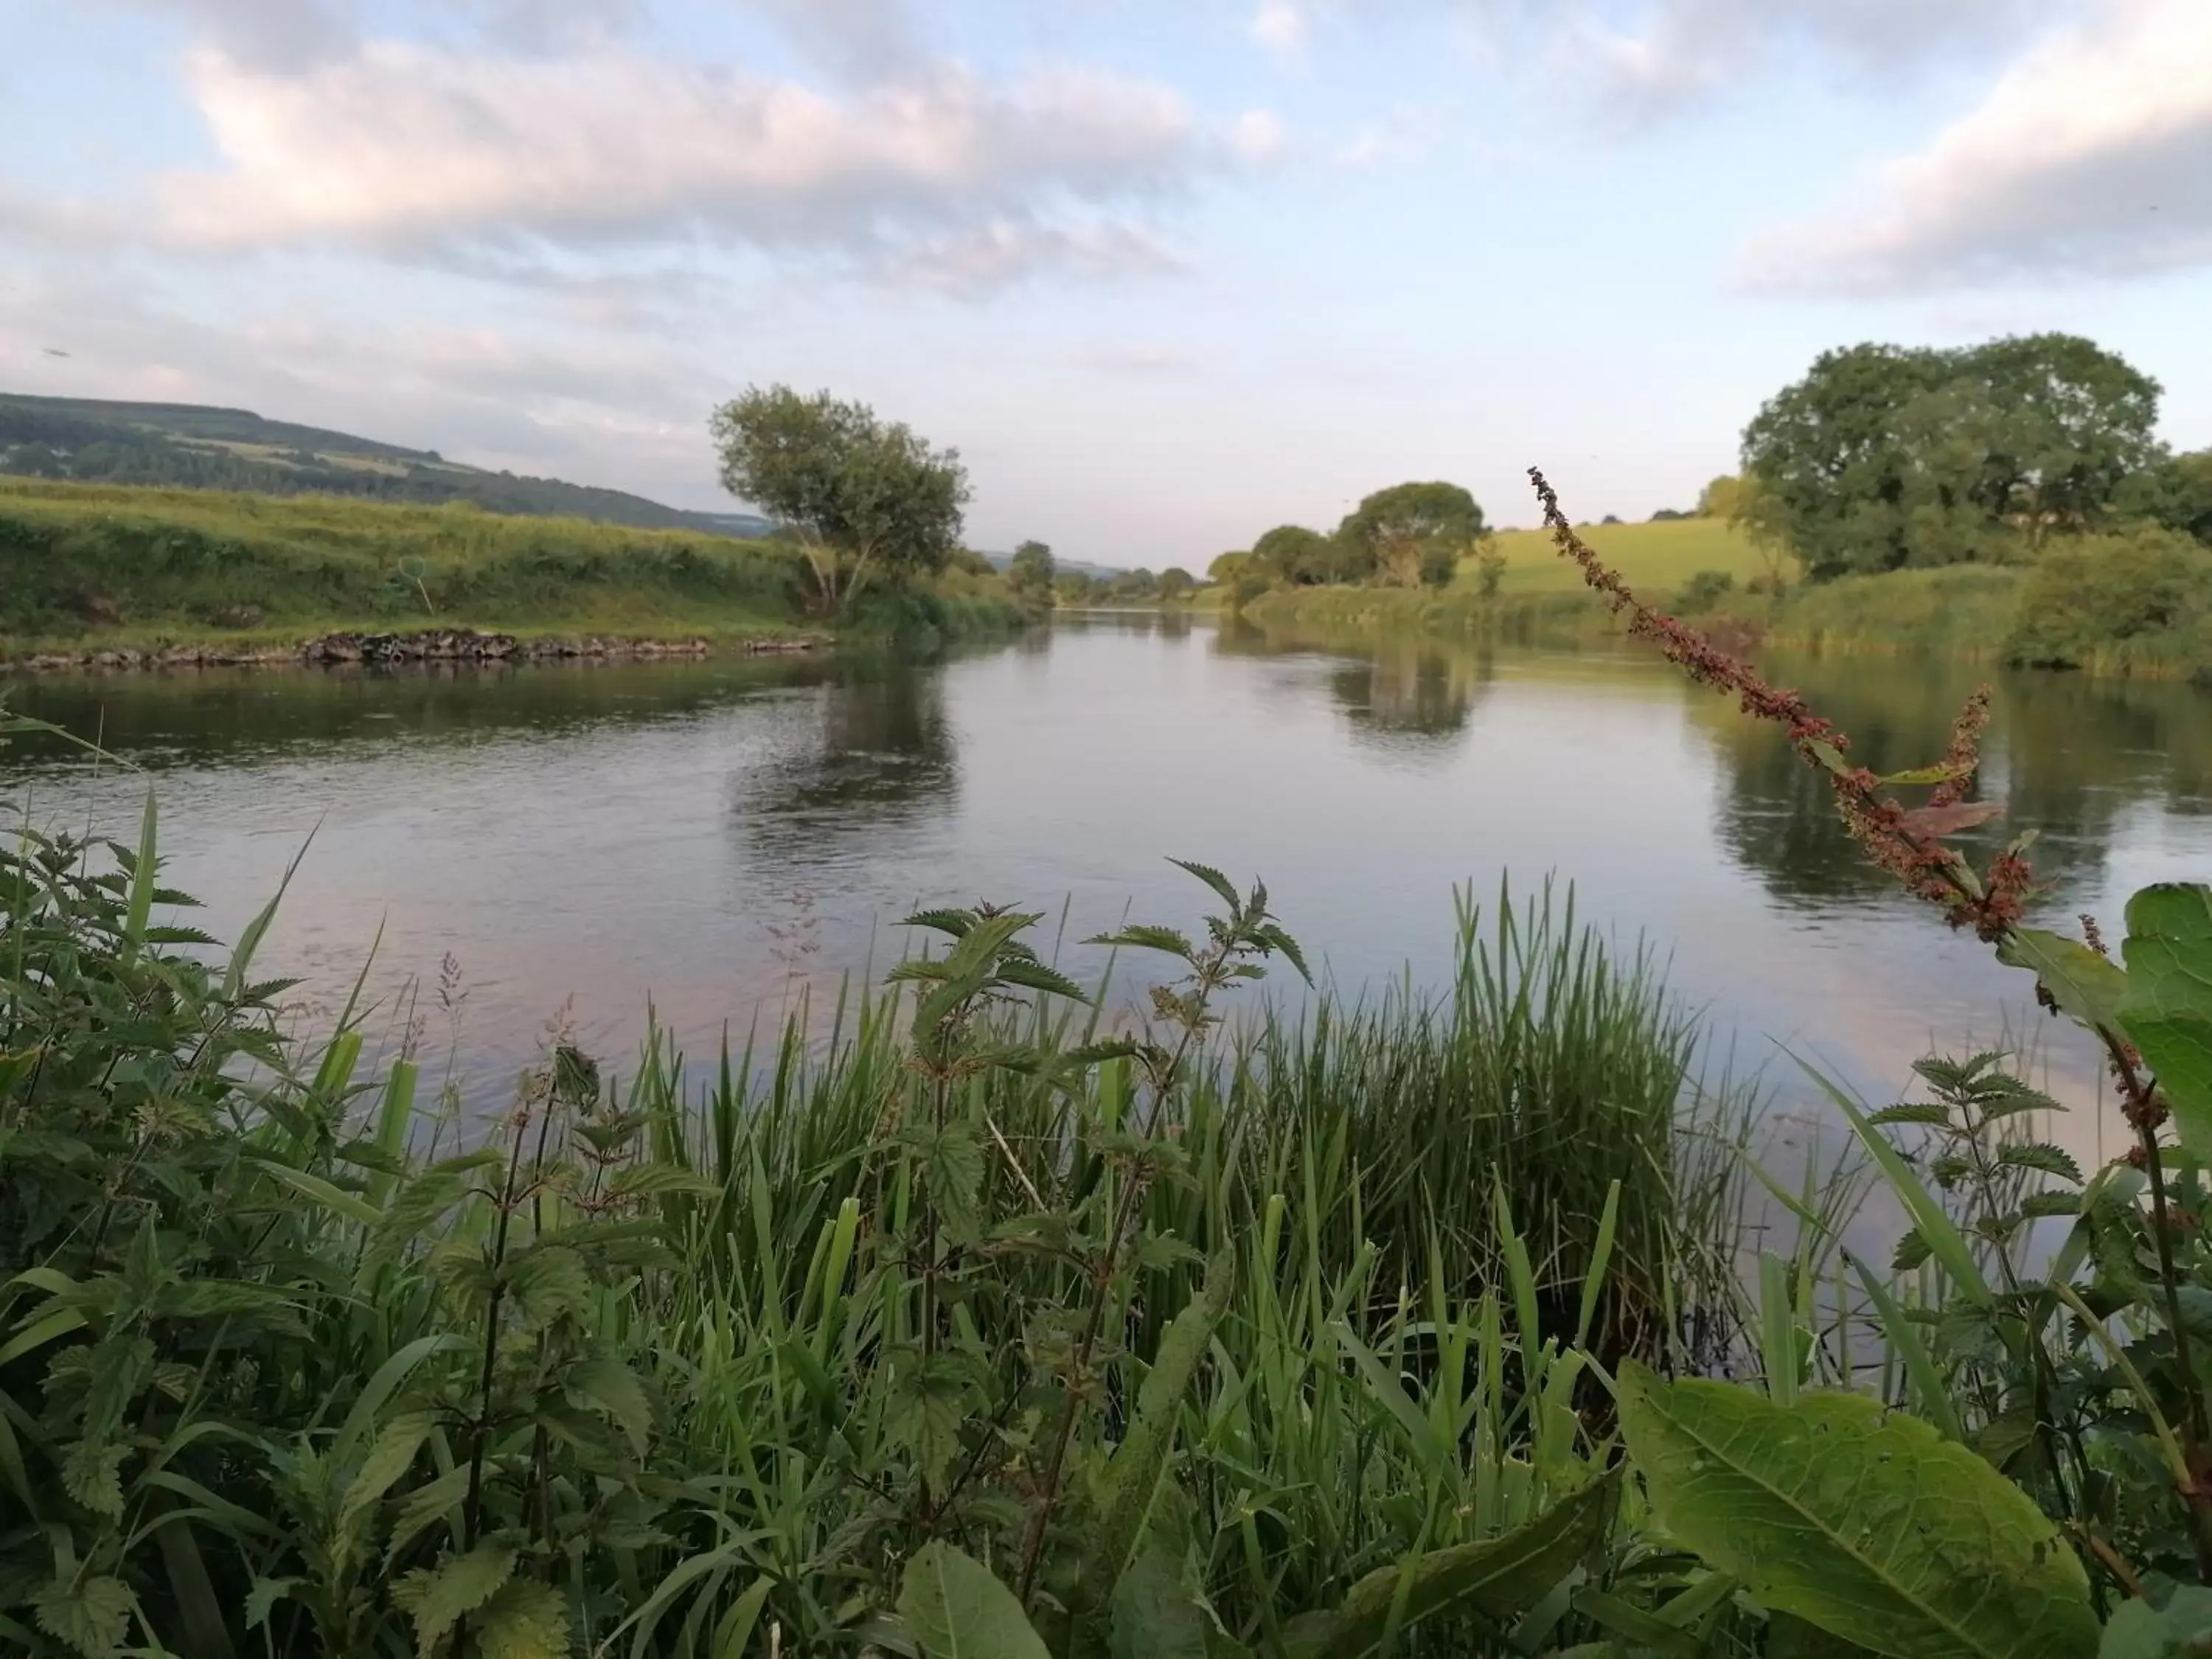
x=1169 y=270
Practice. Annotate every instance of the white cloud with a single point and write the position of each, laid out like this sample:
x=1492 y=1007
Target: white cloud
x=1407 y=133
x=867 y=39
x=275 y=32
x=1258 y=135
x=1667 y=53
x=1142 y=359
x=2091 y=156
x=1280 y=26
x=410 y=147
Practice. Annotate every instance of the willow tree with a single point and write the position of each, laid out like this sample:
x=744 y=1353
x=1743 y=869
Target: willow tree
x=864 y=499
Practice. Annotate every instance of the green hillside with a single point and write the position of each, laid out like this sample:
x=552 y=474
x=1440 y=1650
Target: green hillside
x=1657 y=557
x=198 y=446
x=102 y=565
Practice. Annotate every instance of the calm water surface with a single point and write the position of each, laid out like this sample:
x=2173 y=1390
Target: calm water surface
x=705 y=836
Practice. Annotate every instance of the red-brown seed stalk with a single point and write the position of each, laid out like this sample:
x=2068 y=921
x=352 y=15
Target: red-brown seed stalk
x=1912 y=851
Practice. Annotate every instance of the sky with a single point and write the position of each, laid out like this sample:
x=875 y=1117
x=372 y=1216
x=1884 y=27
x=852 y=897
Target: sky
x=1166 y=272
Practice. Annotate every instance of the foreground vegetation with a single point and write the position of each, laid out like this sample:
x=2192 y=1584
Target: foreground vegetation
x=139 y=567
x=994 y=1325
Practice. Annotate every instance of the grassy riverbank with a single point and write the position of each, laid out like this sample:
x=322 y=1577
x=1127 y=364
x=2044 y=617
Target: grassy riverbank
x=2135 y=603
x=86 y=567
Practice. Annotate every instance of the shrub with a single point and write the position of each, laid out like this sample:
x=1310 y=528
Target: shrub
x=2092 y=595
x=1703 y=590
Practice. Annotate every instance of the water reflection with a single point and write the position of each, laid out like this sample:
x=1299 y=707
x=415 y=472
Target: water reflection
x=696 y=834
x=877 y=755
x=2073 y=759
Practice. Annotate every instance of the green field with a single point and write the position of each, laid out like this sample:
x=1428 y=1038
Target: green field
x=1658 y=557
x=106 y=565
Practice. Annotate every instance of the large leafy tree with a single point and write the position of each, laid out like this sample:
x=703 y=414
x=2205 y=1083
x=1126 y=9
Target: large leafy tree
x=1294 y=556
x=2175 y=491
x=864 y=499
x=1032 y=571
x=1412 y=534
x=1884 y=456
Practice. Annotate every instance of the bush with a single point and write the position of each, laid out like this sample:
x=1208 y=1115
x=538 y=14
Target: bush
x=2139 y=593
x=1703 y=590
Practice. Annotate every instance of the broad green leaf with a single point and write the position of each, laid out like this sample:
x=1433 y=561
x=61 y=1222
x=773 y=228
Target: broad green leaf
x=262 y=1597
x=955 y=1609
x=1793 y=1638
x=524 y=1619
x=2089 y=987
x=1211 y=877
x=1143 y=936
x=2182 y=1627
x=435 y=1597
x=91 y=1615
x=1865 y=1522
x=607 y=1384
x=1501 y=1578
x=1154 y=1616
x=2168 y=1011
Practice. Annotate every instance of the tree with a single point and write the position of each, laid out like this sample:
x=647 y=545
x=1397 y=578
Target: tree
x=1717 y=500
x=1883 y=457
x=1176 y=582
x=1390 y=529
x=1292 y=554
x=1228 y=566
x=1031 y=574
x=1074 y=588
x=863 y=498
x=2175 y=491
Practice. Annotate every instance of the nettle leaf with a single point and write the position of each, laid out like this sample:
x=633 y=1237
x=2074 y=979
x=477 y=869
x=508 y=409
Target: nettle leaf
x=928 y=1405
x=2167 y=1010
x=425 y=1506
x=1867 y=1523
x=1908 y=1111
x=1912 y=1251
x=550 y=1280
x=436 y=1597
x=91 y=1615
x=1143 y=936
x=524 y=1619
x=1035 y=976
x=955 y=1609
x=1212 y=878
x=954 y=922
x=2036 y=1206
x=2043 y=1157
x=603 y=1384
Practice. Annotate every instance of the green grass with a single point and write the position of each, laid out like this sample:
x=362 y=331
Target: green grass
x=113 y=566
x=1658 y=557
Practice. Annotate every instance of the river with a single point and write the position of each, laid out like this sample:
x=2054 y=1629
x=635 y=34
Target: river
x=576 y=843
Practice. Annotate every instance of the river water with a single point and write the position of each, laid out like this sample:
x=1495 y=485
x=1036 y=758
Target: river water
x=580 y=842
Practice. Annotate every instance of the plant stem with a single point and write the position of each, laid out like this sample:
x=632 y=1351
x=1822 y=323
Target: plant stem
x=2142 y=1117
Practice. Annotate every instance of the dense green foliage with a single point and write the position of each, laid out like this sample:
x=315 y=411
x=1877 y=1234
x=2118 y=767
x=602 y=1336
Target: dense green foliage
x=81 y=563
x=193 y=446
x=1884 y=457
x=863 y=498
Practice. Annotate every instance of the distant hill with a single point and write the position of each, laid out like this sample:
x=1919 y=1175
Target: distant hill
x=195 y=446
